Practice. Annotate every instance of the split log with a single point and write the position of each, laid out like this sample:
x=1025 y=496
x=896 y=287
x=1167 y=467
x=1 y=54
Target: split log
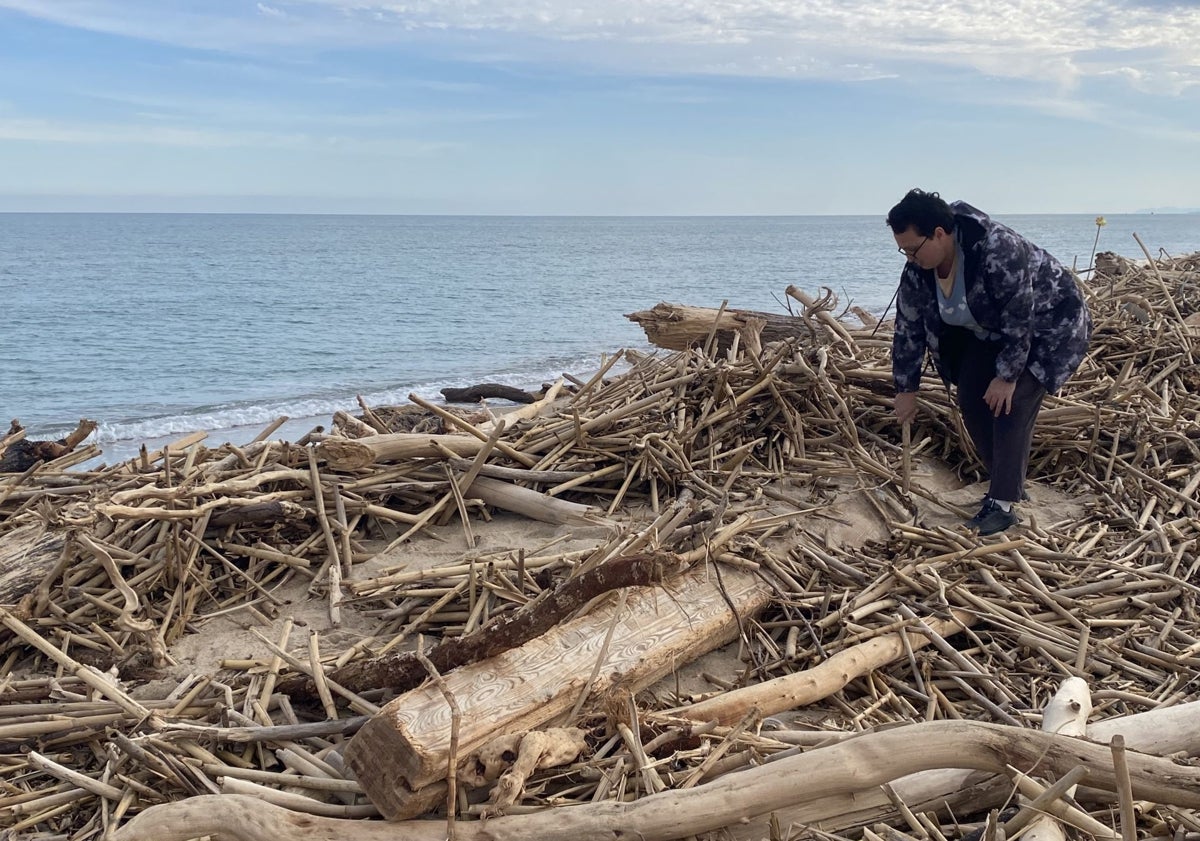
x=403 y=671
x=678 y=327
x=20 y=454
x=27 y=555
x=484 y=391
x=821 y=681
x=405 y=748
x=949 y=791
x=807 y=779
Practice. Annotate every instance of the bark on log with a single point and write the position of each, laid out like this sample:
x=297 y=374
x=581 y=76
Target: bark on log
x=821 y=681
x=405 y=748
x=402 y=671
x=483 y=391
x=272 y=511
x=27 y=555
x=677 y=327
x=806 y=779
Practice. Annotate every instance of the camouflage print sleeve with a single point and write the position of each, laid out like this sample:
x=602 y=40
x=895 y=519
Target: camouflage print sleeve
x=908 y=341
x=1009 y=269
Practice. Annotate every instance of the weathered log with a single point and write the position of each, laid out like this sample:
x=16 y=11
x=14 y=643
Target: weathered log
x=509 y=760
x=518 y=474
x=20 y=454
x=354 y=454
x=402 y=671
x=272 y=511
x=1066 y=714
x=806 y=779
x=27 y=555
x=405 y=748
x=678 y=327
x=952 y=791
x=821 y=681
x=483 y=391
x=533 y=504
x=347 y=454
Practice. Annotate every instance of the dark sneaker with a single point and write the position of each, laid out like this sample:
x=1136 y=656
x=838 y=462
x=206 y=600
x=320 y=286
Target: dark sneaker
x=992 y=519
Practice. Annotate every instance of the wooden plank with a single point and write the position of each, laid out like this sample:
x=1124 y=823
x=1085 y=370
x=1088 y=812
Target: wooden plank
x=406 y=747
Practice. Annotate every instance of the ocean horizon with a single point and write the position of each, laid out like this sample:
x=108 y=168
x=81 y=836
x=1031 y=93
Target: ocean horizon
x=157 y=325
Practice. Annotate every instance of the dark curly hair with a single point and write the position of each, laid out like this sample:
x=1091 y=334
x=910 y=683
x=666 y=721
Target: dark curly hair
x=922 y=211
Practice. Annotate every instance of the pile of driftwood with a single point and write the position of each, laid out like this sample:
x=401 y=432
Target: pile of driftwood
x=543 y=688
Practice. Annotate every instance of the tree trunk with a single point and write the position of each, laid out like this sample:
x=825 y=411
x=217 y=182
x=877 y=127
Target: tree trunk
x=406 y=747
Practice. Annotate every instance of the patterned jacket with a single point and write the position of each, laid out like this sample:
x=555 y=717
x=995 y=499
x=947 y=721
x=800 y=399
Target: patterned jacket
x=1014 y=289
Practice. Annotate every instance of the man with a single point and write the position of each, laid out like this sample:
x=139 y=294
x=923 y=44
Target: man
x=1004 y=321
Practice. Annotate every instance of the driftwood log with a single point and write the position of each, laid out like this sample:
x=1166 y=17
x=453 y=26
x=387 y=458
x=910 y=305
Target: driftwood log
x=679 y=327
x=810 y=778
x=406 y=748
x=821 y=681
x=485 y=391
x=954 y=790
x=19 y=453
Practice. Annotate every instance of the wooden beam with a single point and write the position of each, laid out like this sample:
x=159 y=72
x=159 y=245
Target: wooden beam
x=405 y=748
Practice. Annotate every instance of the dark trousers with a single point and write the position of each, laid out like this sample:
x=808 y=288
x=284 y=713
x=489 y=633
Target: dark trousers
x=1003 y=443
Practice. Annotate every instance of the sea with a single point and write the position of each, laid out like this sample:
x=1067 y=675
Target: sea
x=160 y=325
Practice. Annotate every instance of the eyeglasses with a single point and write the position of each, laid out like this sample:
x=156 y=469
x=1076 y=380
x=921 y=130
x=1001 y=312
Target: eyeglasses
x=912 y=255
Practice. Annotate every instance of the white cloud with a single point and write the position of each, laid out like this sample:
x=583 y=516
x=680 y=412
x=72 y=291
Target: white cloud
x=1060 y=41
x=150 y=134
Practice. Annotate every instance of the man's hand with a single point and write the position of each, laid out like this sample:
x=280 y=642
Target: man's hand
x=999 y=396
x=905 y=406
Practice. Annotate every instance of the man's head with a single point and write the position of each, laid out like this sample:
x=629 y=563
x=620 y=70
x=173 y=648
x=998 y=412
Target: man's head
x=923 y=226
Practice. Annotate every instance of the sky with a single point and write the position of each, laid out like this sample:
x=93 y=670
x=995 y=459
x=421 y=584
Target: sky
x=641 y=107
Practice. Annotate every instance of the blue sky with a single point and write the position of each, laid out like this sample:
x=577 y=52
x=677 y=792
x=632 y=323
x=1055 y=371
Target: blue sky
x=590 y=107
